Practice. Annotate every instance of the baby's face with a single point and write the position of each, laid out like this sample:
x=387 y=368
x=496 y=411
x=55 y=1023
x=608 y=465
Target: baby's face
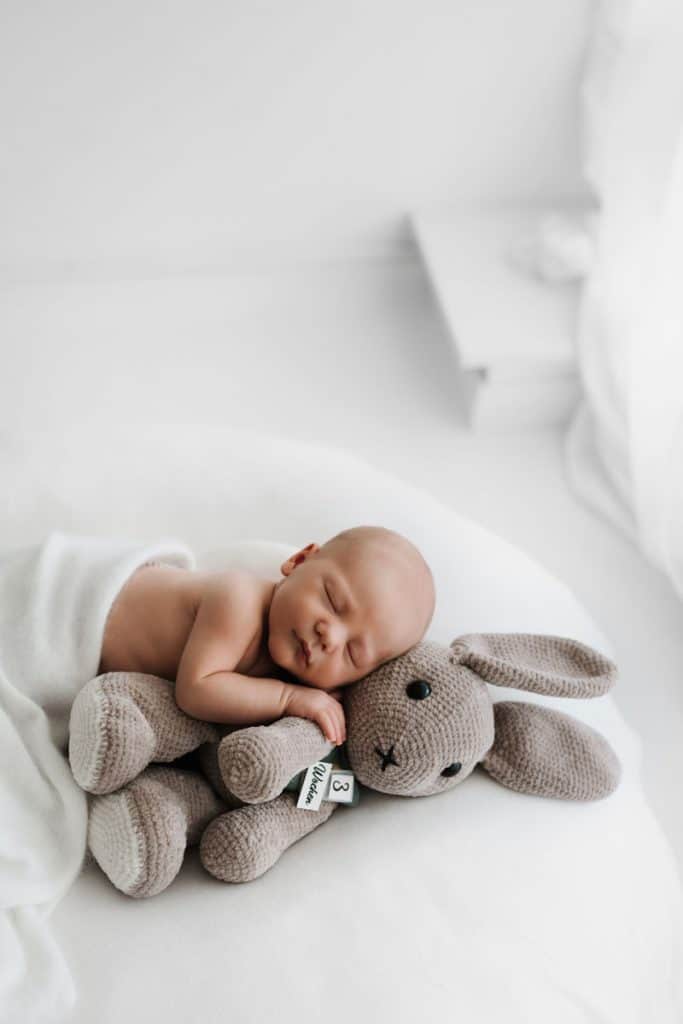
x=352 y=609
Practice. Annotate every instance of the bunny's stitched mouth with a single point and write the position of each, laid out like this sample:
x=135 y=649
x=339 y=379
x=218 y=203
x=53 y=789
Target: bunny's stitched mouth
x=387 y=758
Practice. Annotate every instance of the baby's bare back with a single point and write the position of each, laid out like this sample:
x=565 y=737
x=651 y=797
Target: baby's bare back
x=152 y=617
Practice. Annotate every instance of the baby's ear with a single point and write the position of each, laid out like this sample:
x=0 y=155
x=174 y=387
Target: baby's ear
x=554 y=665
x=545 y=752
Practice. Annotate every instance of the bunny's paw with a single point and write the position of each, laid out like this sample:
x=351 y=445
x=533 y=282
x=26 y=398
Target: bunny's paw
x=257 y=763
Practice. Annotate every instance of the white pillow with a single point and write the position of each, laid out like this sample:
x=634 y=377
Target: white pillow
x=215 y=488
x=566 y=906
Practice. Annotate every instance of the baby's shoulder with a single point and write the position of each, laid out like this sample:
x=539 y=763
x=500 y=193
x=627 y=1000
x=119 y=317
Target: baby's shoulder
x=235 y=587
x=235 y=602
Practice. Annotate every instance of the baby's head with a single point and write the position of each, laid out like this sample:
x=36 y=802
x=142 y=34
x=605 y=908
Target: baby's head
x=343 y=609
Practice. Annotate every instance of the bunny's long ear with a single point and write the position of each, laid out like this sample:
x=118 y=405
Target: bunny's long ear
x=545 y=752
x=553 y=665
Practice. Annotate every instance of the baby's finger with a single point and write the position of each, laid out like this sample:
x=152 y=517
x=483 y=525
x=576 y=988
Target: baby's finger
x=327 y=725
x=338 y=731
x=341 y=725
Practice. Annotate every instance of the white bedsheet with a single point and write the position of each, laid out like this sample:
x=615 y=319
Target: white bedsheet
x=479 y=904
x=54 y=598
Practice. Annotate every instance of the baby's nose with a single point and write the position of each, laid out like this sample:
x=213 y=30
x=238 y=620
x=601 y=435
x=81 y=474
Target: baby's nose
x=329 y=634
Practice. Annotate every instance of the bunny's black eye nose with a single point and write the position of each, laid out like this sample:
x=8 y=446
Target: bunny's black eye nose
x=452 y=769
x=418 y=689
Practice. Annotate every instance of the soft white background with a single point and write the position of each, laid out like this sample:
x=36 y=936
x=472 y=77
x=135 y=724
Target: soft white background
x=203 y=211
x=177 y=134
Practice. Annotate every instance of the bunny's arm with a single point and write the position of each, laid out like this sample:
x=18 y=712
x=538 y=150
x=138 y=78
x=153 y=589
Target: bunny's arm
x=256 y=764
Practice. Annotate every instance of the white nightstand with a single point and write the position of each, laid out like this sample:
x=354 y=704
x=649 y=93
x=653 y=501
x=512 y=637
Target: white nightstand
x=513 y=332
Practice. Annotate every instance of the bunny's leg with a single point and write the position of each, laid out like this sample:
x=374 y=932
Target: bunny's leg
x=241 y=845
x=138 y=835
x=120 y=722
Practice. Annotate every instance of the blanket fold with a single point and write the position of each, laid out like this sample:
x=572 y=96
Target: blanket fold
x=54 y=602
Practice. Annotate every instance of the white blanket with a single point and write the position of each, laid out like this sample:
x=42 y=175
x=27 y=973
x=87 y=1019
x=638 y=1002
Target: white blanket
x=54 y=600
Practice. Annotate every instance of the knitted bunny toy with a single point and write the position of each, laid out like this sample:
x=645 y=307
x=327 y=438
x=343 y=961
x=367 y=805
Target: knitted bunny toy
x=416 y=726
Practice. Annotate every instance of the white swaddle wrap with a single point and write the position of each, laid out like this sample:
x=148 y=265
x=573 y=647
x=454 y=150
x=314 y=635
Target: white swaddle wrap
x=54 y=601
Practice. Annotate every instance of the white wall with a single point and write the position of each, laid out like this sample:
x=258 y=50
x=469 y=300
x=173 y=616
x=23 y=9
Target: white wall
x=145 y=135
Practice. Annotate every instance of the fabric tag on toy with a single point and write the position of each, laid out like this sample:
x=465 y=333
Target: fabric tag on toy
x=314 y=786
x=338 y=762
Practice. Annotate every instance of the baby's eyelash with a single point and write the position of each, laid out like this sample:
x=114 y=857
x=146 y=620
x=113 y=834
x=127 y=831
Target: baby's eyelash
x=348 y=649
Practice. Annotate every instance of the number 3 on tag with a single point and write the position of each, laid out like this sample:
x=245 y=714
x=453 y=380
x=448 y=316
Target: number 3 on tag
x=341 y=787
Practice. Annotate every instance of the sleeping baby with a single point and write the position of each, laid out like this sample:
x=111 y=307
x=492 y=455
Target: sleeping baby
x=246 y=651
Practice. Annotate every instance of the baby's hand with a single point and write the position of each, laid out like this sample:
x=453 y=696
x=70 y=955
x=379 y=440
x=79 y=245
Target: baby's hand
x=323 y=708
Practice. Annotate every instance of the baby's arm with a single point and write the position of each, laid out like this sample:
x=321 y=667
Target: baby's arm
x=208 y=688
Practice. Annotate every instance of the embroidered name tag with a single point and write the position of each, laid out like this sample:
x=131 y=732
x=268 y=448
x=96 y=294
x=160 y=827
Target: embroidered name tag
x=314 y=786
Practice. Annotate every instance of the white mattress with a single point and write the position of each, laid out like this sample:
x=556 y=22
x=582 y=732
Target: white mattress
x=478 y=904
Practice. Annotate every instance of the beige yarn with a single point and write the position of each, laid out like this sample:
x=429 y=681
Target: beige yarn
x=240 y=846
x=139 y=834
x=120 y=722
x=416 y=726
x=553 y=665
x=256 y=764
x=556 y=755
